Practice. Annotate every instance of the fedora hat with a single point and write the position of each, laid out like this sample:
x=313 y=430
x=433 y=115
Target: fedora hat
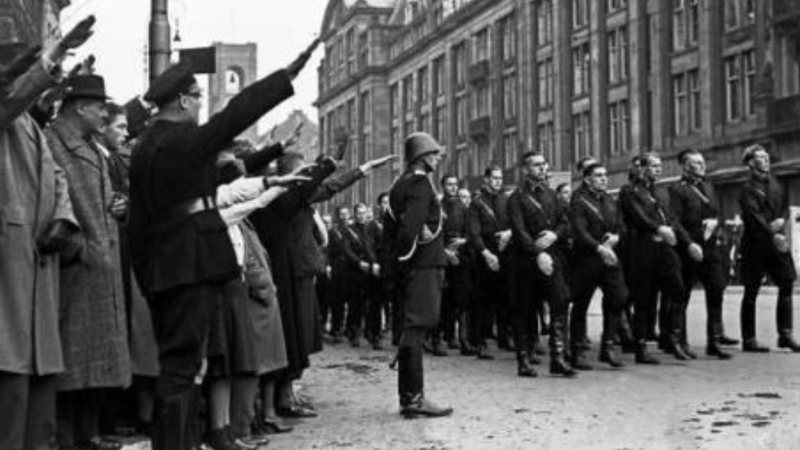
x=85 y=86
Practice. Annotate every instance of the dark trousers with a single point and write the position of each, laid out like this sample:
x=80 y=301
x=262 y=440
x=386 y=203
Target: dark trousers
x=323 y=285
x=335 y=302
x=455 y=298
x=488 y=299
x=588 y=273
x=757 y=263
x=531 y=287
x=28 y=416
x=658 y=268
x=182 y=320
x=711 y=273
x=244 y=389
x=356 y=295
x=78 y=415
x=374 y=309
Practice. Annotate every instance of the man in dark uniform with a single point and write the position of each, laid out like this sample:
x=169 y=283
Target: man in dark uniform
x=489 y=234
x=336 y=292
x=361 y=270
x=596 y=227
x=627 y=339
x=693 y=204
x=180 y=248
x=652 y=239
x=414 y=230
x=765 y=249
x=538 y=221
x=457 y=275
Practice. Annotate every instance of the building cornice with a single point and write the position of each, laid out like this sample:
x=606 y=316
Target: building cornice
x=350 y=82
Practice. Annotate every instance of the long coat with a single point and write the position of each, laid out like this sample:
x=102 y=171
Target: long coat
x=33 y=194
x=93 y=323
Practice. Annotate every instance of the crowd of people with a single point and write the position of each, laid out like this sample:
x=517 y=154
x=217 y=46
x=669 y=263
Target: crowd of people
x=150 y=261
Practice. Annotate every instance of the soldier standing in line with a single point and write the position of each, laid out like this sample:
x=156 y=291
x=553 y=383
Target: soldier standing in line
x=596 y=227
x=765 y=249
x=538 y=221
x=692 y=203
x=656 y=266
x=489 y=234
x=414 y=230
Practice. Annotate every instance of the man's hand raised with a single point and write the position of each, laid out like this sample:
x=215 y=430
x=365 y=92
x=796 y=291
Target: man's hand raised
x=297 y=65
x=368 y=166
x=74 y=38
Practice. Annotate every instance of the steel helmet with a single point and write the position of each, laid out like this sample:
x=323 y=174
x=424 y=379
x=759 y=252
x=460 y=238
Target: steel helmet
x=418 y=145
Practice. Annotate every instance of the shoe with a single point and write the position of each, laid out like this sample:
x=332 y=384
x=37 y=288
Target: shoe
x=483 y=353
x=420 y=407
x=752 y=346
x=787 y=341
x=437 y=350
x=714 y=350
x=219 y=439
x=643 y=356
x=559 y=366
x=688 y=351
x=249 y=442
x=103 y=443
x=271 y=426
x=676 y=349
x=608 y=356
x=725 y=340
x=296 y=412
x=468 y=350
x=579 y=360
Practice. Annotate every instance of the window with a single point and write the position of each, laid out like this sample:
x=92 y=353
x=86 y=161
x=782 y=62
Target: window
x=351 y=115
x=424 y=122
x=547 y=140
x=510 y=96
x=440 y=125
x=460 y=64
x=581 y=61
x=580 y=13
x=789 y=71
x=461 y=116
x=423 y=87
x=509 y=149
x=366 y=109
x=620 y=127
x=681 y=104
x=363 y=49
x=544 y=20
x=482 y=45
x=739 y=13
x=614 y=5
x=685 y=24
x=397 y=142
x=408 y=94
x=695 y=101
x=481 y=100
x=618 y=55
x=508 y=36
x=740 y=75
x=350 y=51
x=546 y=83
x=394 y=101
x=438 y=77
x=581 y=134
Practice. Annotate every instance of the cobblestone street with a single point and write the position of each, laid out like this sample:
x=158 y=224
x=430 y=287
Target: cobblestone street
x=749 y=402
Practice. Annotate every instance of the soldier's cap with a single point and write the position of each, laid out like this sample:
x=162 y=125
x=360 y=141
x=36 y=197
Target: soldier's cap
x=85 y=87
x=588 y=169
x=750 y=152
x=173 y=82
x=584 y=162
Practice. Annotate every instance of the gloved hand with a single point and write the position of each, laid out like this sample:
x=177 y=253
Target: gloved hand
x=668 y=234
x=545 y=263
x=781 y=243
x=491 y=261
x=545 y=240
x=695 y=252
x=607 y=255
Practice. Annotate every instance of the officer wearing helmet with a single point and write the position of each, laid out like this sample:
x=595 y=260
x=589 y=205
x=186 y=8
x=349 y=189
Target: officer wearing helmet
x=413 y=232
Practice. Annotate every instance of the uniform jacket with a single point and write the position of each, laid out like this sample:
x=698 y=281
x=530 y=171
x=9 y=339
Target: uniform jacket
x=761 y=202
x=487 y=214
x=691 y=202
x=358 y=245
x=33 y=194
x=175 y=163
x=414 y=205
x=534 y=208
x=644 y=209
x=593 y=215
x=93 y=321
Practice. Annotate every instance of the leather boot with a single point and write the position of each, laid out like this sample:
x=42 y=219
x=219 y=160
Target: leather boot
x=713 y=349
x=410 y=387
x=483 y=353
x=643 y=356
x=752 y=346
x=171 y=426
x=675 y=346
x=524 y=367
x=787 y=341
x=558 y=364
x=607 y=354
x=533 y=357
x=579 y=361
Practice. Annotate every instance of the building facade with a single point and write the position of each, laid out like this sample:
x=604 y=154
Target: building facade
x=236 y=68
x=610 y=78
x=32 y=22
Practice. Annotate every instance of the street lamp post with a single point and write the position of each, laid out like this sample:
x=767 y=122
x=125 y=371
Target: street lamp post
x=160 y=50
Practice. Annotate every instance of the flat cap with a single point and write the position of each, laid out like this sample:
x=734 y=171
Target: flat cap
x=174 y=81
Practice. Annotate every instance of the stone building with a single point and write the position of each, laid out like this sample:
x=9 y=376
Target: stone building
x=611 y=78
x=236 y=68
x=30 y=21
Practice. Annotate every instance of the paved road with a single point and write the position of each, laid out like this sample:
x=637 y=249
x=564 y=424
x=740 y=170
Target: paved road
x=750 y=402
